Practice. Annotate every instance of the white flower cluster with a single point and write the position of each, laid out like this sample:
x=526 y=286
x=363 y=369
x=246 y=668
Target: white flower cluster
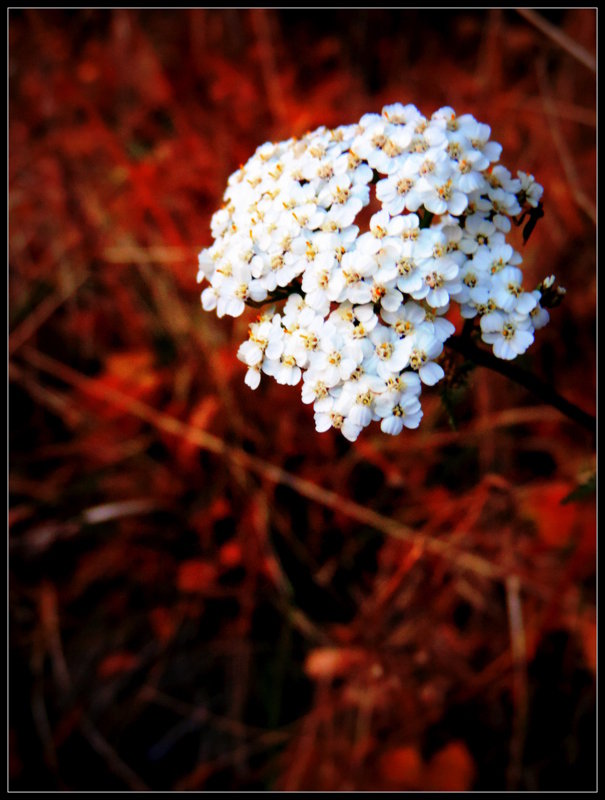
x=363 y=324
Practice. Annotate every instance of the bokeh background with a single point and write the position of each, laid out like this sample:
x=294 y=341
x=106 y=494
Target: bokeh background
x=205 y=593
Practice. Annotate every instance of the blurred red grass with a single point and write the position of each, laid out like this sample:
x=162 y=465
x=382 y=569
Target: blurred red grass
x=205 y=593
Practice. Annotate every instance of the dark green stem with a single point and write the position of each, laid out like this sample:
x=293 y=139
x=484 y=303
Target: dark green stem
x=464 y=345
x=274 y=297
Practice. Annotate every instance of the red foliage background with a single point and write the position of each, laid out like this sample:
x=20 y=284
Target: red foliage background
x=205 y=593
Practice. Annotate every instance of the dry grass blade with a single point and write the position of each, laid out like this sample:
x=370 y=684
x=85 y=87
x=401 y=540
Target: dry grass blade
x=131 y=254
x=560 y=38
x=53 y=646
x=261 y=22
x=41 y=314
x=518 y=649
x=581 y=198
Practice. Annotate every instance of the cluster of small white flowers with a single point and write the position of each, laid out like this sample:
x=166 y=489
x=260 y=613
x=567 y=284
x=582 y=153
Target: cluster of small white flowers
x=364 y=321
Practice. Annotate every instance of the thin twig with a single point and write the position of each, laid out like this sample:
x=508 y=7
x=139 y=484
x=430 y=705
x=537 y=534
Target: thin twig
x=38 y=704
x=203 y=714
x=114 y=762
x=49 y=398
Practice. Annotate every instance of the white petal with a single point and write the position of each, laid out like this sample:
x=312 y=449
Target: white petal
x=412 y=420
x=360 y=415
x=252 y=378
x=437 y=298
x=457 y=204
x=322 y=422
x=525 y=303
x=523 y=339
x=350 y=431
x=392 y=425
x=431 y=373
x=504 y=349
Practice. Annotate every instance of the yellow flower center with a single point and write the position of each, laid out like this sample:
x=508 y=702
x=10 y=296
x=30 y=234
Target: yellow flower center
x=341 y=195
x=325 y=172
x=417 y=359
x=508 y=331
x=403 y=327
x=391 y=149
x=277 y=171
x=377 y=293
x=351 y=277
x=434 y=280
x=323 y=279
x=311 y=251
x=320 y=390
x=384 y=351
x=364 y=399
x=405 y=266
x=445 y=190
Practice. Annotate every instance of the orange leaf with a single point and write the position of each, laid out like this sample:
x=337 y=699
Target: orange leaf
x=451 y=769
x=130 y=373
x=230 y=554
x=402 y=766
x=196 y=576
x=554 y=522
x=114 y=663
x=331 y=662
x=129 y=366
x=162 y=623
x=201 y=416
x=196 y=779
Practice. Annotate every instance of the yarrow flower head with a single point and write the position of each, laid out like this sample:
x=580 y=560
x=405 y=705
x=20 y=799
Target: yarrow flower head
x=364 y=323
